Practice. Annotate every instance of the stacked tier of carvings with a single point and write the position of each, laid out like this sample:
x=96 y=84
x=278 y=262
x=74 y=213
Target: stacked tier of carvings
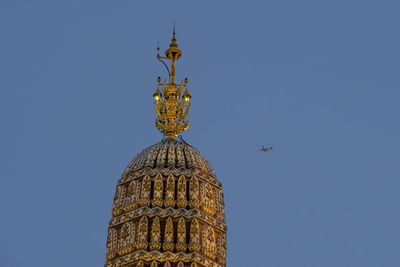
x=160 y=191
x=170 y=154
x=174 y=234
x=166 y=264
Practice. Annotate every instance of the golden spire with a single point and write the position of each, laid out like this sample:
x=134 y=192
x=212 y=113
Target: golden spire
x=172 y=107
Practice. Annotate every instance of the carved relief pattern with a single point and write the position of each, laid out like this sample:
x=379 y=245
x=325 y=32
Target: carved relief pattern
x=170 y=192
x=155 y=234
x=222 y=248
x=209 y=242
x=182 y=192
x=112 y=240
x=158 y=191
x=168 y=210
x=145 y=192
x=125 y=236
x=194 y=244
x=143 y=233
x=181 y=235
x=131 y=199
x=221 y=205
x=169 y=235
x=209 y=199
x=194 y=193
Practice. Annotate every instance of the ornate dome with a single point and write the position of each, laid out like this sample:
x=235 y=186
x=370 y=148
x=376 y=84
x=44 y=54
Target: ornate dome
x=168 y=211
x=171 y=154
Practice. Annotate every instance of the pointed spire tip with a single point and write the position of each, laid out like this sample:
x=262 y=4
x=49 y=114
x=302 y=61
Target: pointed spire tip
x=174 y=32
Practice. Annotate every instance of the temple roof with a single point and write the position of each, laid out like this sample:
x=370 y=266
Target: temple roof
x=170 y=154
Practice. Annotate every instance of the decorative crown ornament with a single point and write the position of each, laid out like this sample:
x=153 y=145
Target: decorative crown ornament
x=172 y=106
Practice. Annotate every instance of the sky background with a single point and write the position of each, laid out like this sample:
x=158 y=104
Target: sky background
x=317 y=80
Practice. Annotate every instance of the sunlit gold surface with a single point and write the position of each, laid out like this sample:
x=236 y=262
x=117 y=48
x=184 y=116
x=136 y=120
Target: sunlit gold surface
x=172 y=101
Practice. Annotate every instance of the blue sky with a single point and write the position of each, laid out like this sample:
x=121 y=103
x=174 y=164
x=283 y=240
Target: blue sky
x=318 y=80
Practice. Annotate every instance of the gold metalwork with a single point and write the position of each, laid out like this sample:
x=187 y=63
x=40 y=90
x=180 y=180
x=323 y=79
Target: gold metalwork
x=172 y=107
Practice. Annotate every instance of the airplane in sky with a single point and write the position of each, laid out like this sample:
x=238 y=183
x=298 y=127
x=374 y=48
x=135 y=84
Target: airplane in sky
x=266 y=149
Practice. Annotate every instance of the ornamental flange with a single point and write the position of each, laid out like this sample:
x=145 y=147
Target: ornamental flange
x=162 y=257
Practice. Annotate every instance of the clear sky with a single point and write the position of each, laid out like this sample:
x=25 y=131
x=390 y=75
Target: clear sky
x=318 y=80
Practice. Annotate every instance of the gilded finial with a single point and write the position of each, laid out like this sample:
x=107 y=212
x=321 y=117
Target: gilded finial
x=172 y=101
